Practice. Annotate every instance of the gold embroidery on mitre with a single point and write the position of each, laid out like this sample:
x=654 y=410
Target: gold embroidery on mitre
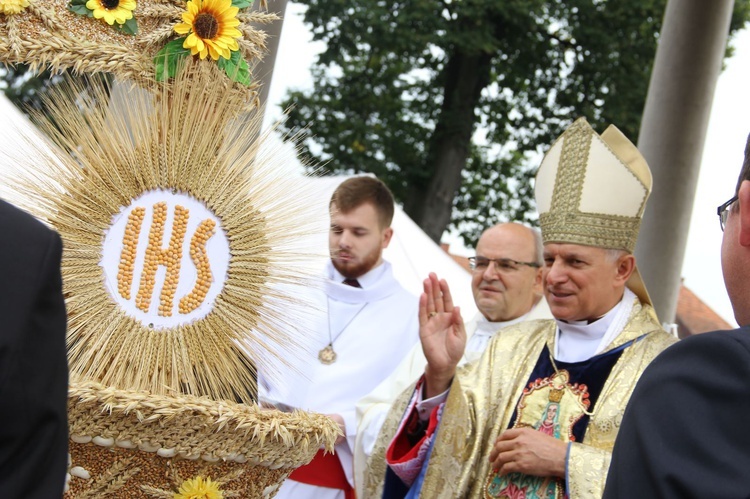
x=571 y=160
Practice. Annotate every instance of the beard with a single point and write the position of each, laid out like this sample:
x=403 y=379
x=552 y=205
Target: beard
x=352 y=269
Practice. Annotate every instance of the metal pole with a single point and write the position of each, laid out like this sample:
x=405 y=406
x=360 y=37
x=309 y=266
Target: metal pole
x=263 y=71
x=673 y=130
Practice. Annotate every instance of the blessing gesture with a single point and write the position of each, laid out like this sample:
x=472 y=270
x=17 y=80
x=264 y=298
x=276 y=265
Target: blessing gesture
x=442 y=333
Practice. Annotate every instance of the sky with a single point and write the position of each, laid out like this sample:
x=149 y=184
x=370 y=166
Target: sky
x=722 y=157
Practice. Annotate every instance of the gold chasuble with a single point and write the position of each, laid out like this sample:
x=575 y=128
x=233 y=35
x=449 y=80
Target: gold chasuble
x=501 y=390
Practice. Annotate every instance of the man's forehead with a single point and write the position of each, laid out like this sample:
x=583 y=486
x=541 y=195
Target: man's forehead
x=570 y=249
x=504 y=239
x=362 y=216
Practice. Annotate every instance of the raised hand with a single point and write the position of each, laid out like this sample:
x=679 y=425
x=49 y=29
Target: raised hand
x=442 y=333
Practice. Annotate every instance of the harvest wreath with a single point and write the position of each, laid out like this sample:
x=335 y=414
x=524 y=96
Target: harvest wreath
x=179 y=234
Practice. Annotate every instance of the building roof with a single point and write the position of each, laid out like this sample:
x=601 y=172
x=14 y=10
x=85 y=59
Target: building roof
x=694 y=316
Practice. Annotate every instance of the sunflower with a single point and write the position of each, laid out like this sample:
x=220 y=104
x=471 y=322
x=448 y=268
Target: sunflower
x=112 y=10
x=212 y=27
x=13 y=6
x=198 y=488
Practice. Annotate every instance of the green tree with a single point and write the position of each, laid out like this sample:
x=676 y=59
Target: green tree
x=451 y=102
x=27 y=88
x=24 y=87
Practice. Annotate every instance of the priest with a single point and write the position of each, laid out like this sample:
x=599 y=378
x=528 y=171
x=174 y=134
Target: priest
x=538 y=413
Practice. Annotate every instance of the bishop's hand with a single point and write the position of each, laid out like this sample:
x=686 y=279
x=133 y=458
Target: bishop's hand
x=442 y=333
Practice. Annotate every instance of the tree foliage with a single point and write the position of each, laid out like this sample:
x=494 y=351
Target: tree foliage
x=27 y=89
x=452 y=102
x=24 y=87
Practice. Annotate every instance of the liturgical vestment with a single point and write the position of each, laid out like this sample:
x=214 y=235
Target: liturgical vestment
x=500 y=391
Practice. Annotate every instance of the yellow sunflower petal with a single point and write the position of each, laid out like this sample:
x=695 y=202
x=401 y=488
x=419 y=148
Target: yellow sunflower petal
x=183 y=28
x=193 y=40
x=213 y=53
x=122 y=15
x=222 y=4
x=217 y=51
x=193 y=8
x=231 y=33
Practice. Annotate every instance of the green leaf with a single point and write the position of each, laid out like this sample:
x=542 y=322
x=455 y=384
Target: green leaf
x=167 y=59
x=79 y=7
x=130 y=27
x=236 y=68
x=242 y=4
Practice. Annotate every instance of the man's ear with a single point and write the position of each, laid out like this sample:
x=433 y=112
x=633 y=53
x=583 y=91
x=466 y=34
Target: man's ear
x=743 y=201
x=538 y=288
x=625 y=267
x=387 y=235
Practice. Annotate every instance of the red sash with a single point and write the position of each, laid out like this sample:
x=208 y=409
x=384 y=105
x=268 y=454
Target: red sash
x=324 y=470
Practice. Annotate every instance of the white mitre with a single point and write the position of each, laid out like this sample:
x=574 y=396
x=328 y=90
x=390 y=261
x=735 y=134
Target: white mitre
x=592 y=190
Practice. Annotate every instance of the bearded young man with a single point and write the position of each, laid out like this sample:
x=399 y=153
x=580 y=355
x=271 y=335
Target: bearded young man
x=474 y=432
x=506 y=282
x=369 y=324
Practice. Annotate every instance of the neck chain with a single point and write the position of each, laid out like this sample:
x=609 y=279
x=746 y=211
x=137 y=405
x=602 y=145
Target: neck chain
x=567 y=387
x=327 y=355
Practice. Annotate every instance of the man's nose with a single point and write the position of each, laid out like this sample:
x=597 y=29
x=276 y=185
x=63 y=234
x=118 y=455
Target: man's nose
x=492 y=272
x=345 y=239
x=555 y=273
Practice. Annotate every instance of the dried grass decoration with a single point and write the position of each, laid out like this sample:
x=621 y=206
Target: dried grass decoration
x=179 y=236
x=139 y=40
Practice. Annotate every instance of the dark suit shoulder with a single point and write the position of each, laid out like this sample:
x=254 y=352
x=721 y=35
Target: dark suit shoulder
x=734 y=344
x=716 y=357
x=692 y=401
x=22 y=224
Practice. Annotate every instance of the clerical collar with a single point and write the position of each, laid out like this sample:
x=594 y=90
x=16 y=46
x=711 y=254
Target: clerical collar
x=375 y=285
x=365 y=281
x=579 y=341
x=488 y=328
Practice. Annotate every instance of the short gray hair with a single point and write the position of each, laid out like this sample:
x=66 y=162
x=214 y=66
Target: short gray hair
x=538 y=246
x=614 y=253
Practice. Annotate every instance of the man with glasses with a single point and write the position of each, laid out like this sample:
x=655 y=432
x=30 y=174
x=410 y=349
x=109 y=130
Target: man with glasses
x=538 y=413
x=507 y=286
x=684 y=433
x=506 y=282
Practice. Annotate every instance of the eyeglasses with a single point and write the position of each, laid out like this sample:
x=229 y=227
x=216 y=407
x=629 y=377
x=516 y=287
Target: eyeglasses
x=723 y=212
x=503 y=265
